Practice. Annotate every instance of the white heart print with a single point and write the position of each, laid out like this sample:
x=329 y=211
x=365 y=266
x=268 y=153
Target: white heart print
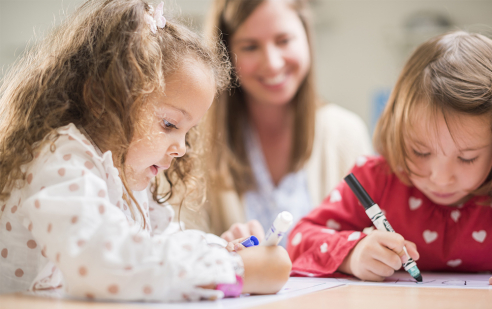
x=297 y=239
x=335 y=196
x=430 y=236
x=328 y=231
x=479 y=236
x=323 y=248
x=360 y=161
x=454 y=263
x=414 y=203
x=332 y=224
x=353 y=236
x=455 y=215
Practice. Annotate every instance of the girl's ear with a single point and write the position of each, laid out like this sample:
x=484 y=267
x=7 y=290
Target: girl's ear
x=94 y=98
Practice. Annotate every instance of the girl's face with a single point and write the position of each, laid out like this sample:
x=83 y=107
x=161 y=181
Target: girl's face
x=166 y=119
x=271 y=53
x=447 y=167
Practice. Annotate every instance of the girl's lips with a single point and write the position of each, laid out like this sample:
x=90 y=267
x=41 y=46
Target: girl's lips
x=154 y=169
x=442 y=195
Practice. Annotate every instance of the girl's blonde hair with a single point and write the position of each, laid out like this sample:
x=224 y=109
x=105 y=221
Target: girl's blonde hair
x=96 y=70
x=230 y=168
x=450 y=74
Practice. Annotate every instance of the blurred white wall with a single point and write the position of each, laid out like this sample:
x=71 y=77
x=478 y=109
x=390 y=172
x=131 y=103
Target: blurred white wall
x=361 y=45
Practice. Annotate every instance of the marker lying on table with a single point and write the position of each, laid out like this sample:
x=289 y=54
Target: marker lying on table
x=278 y=229
x=251 y=241
x=379 y=219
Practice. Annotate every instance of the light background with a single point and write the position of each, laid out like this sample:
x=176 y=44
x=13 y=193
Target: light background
x=360 y=45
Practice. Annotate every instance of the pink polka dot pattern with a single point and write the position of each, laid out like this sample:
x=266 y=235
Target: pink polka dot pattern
x=8 y=226
x=61 y=171
x=89 y=153
x=108 y=246
x=113 y=289
x=14 y=209
x=50 y=226
x=80 y=243
x=3 y=207
x=137 y=238
x=5 y=253
x=86 y=142
x=37 y=204
x=42 y=188
x=43 y=252
x=89 y=296
x=58 y=257
x=128 y=268
x=101 y=209
x=29 y=178
x=71 y=138
x=31 y=244
x=145 y=205
x=82 y=271
x=118 y=204
x=74 y=219
x=36 y=155
x=73 y=187
x=125 y=207
x=89 y=165
x=30 y=227
x=67 y=157
x=101 y=193
x=19 y=272
x=147 y=290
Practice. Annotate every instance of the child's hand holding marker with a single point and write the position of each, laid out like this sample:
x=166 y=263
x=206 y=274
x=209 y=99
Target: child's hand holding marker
x=378 y=256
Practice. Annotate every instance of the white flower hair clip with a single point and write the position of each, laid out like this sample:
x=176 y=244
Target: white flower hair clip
x=156 y=18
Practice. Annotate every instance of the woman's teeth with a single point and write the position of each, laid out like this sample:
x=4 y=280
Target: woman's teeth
x=275 y=80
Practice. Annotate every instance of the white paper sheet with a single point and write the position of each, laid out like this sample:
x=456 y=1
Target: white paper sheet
x=293 y=287
x=430 y=280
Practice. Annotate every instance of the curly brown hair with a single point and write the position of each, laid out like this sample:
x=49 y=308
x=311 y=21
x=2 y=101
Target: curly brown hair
x=96 y=70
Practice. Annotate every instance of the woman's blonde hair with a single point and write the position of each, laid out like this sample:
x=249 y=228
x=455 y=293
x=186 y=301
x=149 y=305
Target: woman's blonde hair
x=96 y=70
x=449 y=75
x=230 y=168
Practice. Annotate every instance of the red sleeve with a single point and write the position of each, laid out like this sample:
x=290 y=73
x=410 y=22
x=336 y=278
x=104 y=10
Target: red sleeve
x=319 y=243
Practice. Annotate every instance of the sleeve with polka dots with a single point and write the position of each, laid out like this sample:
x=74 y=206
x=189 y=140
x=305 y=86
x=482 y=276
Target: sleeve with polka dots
x=319 y=243
x=75 y=212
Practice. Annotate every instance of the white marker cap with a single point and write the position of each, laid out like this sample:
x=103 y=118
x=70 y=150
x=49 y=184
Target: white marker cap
x=283 y=221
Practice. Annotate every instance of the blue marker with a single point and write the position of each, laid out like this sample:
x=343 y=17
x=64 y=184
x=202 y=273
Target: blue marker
x=250 y=242
x=379 y=219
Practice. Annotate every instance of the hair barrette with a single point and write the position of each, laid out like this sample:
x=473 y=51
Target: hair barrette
x=156 y=18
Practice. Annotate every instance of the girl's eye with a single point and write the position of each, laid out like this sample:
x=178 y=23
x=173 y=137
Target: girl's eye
x=283 y=42
x=467 y=161
x=420 y=154
x=248 y=48
x=168 y=125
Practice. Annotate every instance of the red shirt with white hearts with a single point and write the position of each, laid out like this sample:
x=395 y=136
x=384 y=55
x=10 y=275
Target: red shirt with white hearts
x=448 y=238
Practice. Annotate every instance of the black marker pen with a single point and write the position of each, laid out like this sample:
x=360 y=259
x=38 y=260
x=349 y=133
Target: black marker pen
x=379 y=219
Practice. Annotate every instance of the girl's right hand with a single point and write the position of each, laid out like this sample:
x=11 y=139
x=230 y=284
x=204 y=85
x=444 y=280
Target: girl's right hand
x=378 y=256
x=243 y=230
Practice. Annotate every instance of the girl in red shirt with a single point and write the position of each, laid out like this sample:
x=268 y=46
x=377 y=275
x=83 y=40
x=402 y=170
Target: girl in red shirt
x=433 y=179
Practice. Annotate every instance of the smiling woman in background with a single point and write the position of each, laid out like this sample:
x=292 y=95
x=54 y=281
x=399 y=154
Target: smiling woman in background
x=275 y=145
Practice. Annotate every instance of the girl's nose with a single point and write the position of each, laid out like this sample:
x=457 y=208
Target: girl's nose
x=178 y=148
x=442 y=172
x=273 y=58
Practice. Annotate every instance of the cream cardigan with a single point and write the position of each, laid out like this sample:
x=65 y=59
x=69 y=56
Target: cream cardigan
x=340 y=137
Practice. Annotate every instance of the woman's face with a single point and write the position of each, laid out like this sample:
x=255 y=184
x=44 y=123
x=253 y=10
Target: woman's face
x=271 y=53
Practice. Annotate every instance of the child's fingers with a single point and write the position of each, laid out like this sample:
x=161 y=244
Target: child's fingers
x=412 y=250
x=256 y=229
x=227 y=235
x=377 y=270
x=238 y=247
x=387 y=257
x=240 y=230
x=490 y=280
